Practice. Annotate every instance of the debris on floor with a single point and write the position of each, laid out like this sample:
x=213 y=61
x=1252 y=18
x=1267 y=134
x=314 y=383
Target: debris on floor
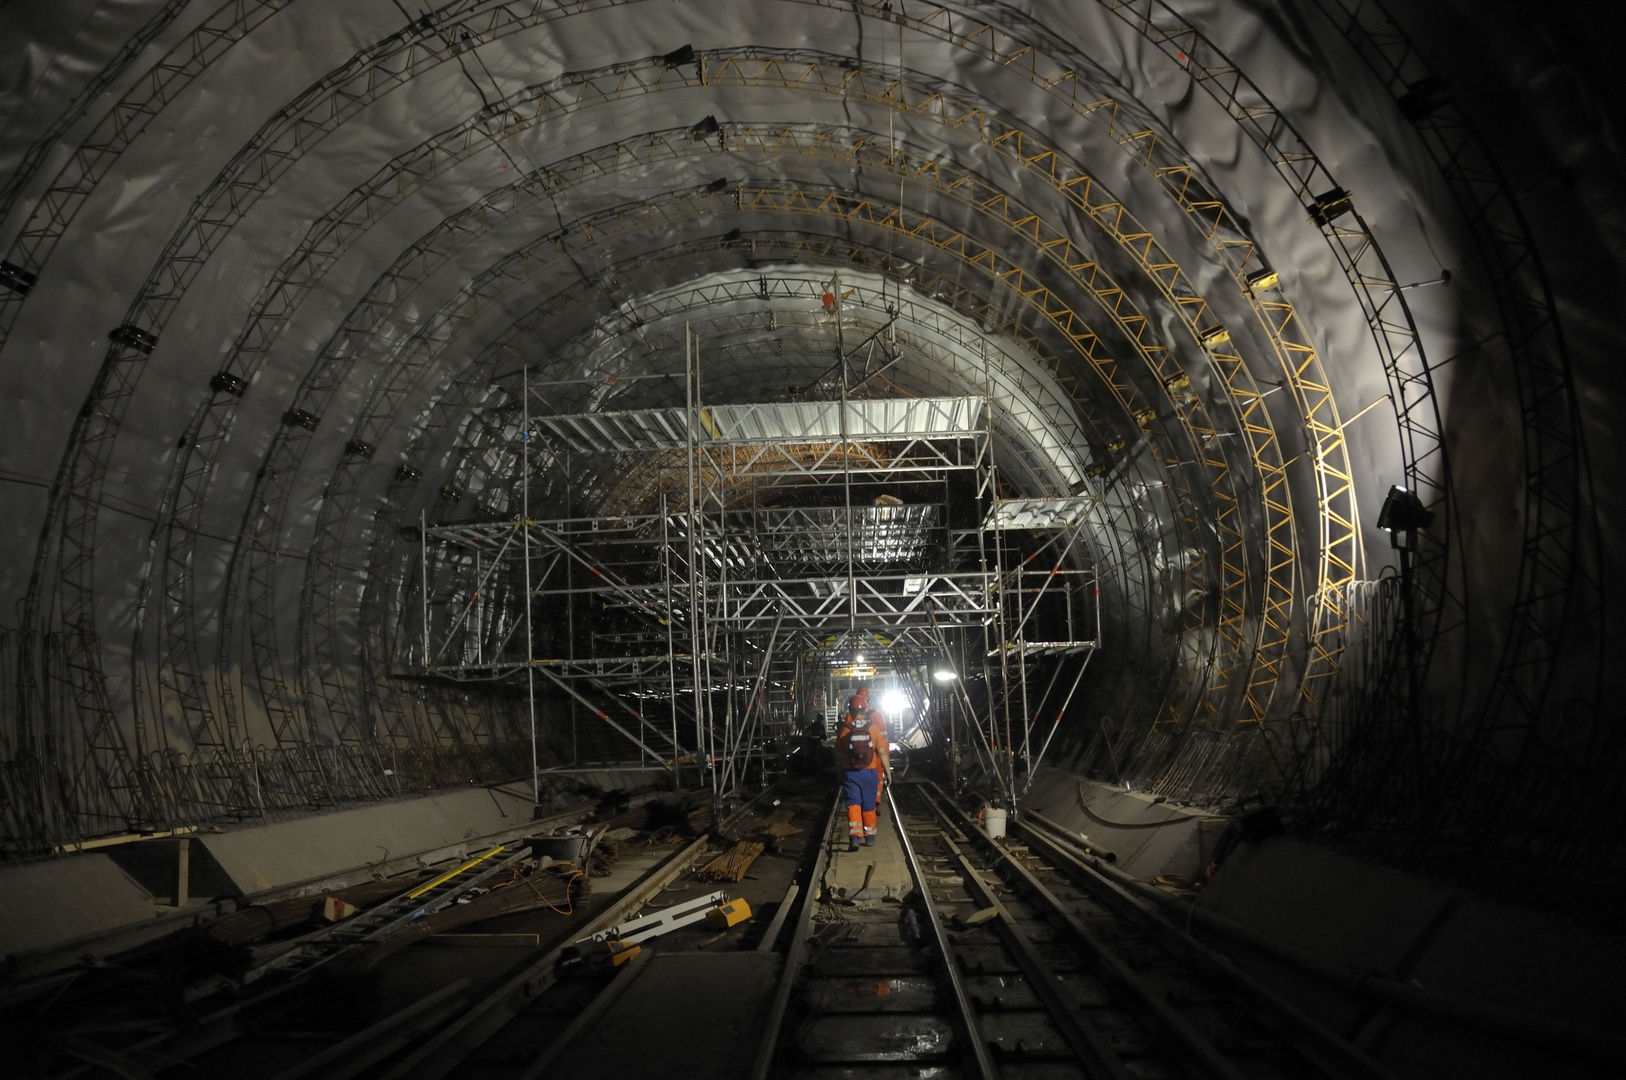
x=732 y=864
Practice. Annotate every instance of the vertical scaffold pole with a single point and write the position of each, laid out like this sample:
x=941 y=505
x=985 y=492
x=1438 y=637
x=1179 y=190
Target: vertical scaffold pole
x=671 y=640
x=423 y=579
x=702 y=751
x=846 y=462
x=525 y=524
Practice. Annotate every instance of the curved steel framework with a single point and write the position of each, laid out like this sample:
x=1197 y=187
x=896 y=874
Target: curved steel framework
x=1163 y=372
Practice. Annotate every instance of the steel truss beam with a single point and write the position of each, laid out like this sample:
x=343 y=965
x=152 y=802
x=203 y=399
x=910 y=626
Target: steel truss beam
x=394 y=60
x=1473 y=793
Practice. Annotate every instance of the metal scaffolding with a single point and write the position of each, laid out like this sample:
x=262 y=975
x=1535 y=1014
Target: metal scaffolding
x=763 y=553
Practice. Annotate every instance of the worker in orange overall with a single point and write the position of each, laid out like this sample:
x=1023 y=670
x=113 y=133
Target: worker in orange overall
x=863 y=756
x=858 y=711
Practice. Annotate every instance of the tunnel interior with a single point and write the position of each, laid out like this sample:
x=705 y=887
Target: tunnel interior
x=1212 y=401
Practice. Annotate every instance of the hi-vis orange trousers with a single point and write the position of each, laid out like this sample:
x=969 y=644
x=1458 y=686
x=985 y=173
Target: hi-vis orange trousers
x=859 y=787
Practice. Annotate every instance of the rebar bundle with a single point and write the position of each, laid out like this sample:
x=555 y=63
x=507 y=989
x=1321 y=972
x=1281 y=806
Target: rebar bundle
x=732 y=864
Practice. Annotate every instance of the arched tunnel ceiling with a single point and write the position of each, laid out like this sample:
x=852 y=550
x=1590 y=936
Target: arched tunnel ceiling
x=1229 y=270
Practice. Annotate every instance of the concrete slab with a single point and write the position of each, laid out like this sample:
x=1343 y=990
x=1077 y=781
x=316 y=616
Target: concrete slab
x=267 y=856
x=49 y=902
x=686 y=1014
x=1148 y=838
x=870 y=873
x=1369 y=918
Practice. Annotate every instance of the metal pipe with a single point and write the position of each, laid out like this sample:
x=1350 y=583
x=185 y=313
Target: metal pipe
x=1056 y=724
x=605 y=689
x=530 y=600
x=602 y=715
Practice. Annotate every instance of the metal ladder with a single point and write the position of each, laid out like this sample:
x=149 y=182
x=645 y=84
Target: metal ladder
x=338 y=939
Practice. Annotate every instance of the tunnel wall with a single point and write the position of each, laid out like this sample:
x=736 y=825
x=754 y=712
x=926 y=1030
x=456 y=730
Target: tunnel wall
x=342 y=211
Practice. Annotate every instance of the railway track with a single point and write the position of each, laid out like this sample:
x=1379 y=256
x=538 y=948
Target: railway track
x=1012 y=959
x=285 y=1019
x=1019 y=960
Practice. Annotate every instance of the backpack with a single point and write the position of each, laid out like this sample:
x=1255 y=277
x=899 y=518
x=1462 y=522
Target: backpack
x=858 y=747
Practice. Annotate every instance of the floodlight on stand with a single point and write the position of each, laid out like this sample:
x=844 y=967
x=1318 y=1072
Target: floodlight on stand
x=1402 y=515
x=894 y=701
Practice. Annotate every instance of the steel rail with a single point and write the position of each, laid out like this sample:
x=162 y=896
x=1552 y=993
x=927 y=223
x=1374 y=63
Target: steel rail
x=975 y=1049
x=1333 y=1054
x=795 y=952
x=1196 y=1052
x=350 y=1056
x=1379 y=987
x=446 y=1050
x=1086 y=1040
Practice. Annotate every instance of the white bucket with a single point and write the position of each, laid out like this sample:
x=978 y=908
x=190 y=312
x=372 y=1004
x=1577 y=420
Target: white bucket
x=994 y=822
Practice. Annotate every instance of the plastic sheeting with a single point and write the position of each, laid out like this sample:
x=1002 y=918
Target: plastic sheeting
x=429 y=194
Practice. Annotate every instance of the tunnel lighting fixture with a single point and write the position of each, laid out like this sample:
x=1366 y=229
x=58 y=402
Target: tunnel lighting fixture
x=1424 y=97
x=859 y=659
x=16 y=278
x=944 y=675
x=683 y=54
x=132 y=336
x=1263 y=280
x=225 y=382
x=1402 y=515
x=894 y=701
x=1329 y=206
